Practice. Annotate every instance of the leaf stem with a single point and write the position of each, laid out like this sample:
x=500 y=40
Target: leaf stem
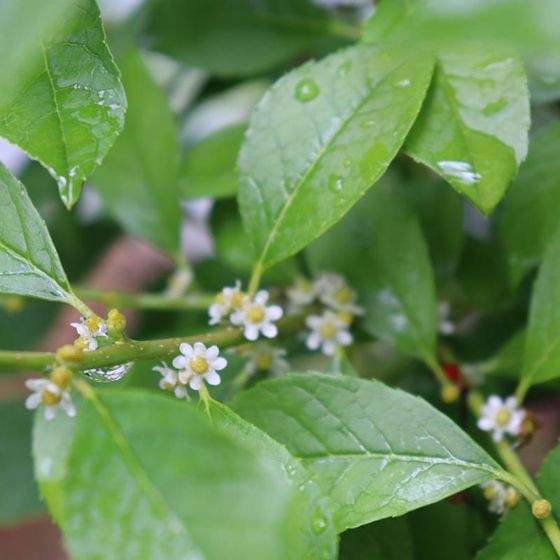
x=194 y=302
x=522 y=388
x=255 y=278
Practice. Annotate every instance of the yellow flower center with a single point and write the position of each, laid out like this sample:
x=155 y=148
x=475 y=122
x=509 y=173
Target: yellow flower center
x=264 y=361
x=49 y=399
x=199 y=365
x=61 y=377
x=490 y=492
x=237 y=300
x=94 y=324
x=220 y=299
x=81 y=343
x=503 y=417
x=255 y=314
x=328 y=330
x=344 y=295
x=168 y=386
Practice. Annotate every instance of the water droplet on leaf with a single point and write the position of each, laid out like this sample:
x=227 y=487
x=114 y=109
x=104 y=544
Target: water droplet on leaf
x=318 y=522
x=306 y=90
x=109 y=374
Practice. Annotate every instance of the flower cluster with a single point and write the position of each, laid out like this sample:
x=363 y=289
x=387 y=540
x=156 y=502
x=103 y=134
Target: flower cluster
x=89 y=330
x=499 y=496
x=195 y=366
x=501 y=417
x=253 y=314
x=263 y=356
x=52 y=392
x=330 y=329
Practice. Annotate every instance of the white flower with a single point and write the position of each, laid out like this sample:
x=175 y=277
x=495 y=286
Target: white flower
x=334 y=291
x=327 y=331
x=501 y=417
x=51 y=396
x=89 y=330
x=265 y=357
x=445 y=326
x=302 y=293
x=228 y=300
x=257 y=317
x=495 y=492
x=170 y=381
x=199 y=364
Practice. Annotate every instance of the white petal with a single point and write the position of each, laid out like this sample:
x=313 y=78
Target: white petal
x=181 y=392
x=344 y=338
x=313 y=341
x=186 y=349
x=199 y=349
x=92 y=344
x=314 y=321
x=50 y=412
x=511 y=403
x=219 y=363
x=212 y=352
x=33 y=401
x=498 y=434
x=269 y=330
x=36 y=384
x=195 y=382
x=68 y=407
x=329 y=347
x=251 y=332
x=261 y=297
x=494 y=403
x=181 y=362
x=212 y=378
x=274 y=312
x=237 y=318
x=486 y=424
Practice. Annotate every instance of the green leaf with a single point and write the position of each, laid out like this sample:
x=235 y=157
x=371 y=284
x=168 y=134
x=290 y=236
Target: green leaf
x=377 y=452
x=139 y=179
x=124 y=483
x=20 y=498
x=379 y=247
x=317 y=526
x=319 y=138
x=240 y=37
x=473 y=127
x=29 y=264
x=530 y=214
x=209 y=167
x=507 y=361
x=519 y=535
x=69 y=107
x=542 y=349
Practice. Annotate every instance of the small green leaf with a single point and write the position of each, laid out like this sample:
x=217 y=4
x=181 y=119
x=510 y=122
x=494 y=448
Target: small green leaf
x=542 y=349
x=240 y=37
x=29 y=264
x=530 y=213
x=379 y=247
x=319 y=138
x=137 y=475
x=20 y=498
x=209 y=168
x=473 y=128
x=519 y=536
x=69 y=108
x=139 y=180
x=377 y=452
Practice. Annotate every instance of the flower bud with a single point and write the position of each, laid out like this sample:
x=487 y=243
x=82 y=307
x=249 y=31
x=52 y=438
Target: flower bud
x=449 y=393
x=512 y=497
x=69 y=353
x=116 y=321
x=61 y=376
x=541 y=508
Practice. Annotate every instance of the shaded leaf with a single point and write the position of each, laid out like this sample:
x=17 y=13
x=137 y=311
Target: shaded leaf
x=139 y=179
x=69 y=108
x=126 y=484
x=380 y=249
x=473 y=128
x=319 y=138
x=29 y=264
x=350 y=434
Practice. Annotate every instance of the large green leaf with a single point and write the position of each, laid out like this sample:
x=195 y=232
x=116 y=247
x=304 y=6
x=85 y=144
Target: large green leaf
x=69 y=107
x=20 y=498
x=531 y=209
x=542 y=347
x=238 y=37
x=29 y=264
x=377 y=452
x=139 y=180
x=473 y=128
x=142 y=476
x=519 y=536
x=316 y=526
x=319 y=138
x=209 y=168
x=379 y=247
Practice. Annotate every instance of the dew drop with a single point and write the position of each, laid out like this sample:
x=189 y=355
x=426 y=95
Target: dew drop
x=403 y=83
x=306 y=90
x=318 y=523
x=108 y=375
x=345 y=68
x=336 y=183
x=367 y=124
